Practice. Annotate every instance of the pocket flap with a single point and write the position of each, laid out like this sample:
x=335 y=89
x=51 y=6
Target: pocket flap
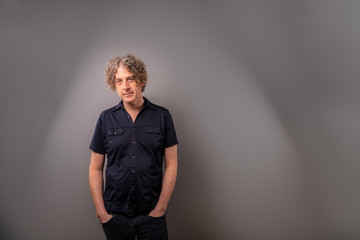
x=155 y=130
x=115 y=131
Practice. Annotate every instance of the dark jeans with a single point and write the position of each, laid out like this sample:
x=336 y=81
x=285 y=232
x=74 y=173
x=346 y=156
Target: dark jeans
x=144 y=227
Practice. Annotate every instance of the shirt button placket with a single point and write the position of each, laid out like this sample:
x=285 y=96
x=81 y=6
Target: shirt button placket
x=133 y=167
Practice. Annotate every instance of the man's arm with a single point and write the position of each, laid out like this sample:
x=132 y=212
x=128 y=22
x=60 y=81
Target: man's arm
x=170 y=157
x=96 y=185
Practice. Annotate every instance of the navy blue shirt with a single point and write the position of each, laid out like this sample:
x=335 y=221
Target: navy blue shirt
x=135 y=152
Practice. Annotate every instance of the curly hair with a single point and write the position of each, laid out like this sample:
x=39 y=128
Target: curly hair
x=135 y=65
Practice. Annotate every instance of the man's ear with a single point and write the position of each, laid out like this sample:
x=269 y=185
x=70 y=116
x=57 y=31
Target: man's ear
x=141 y=84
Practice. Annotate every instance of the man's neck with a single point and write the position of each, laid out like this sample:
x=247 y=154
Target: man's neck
x=134 y=106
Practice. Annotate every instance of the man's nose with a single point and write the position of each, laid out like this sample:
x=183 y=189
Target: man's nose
x=125 y=84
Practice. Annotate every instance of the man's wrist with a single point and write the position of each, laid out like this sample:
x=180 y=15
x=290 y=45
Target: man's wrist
x=102 y=214
x=160 y=209
x=157 y=212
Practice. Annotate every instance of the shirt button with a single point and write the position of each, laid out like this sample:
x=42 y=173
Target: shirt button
x=133 y=156
x=133 y=142
x=133 y=171
x=128 y=116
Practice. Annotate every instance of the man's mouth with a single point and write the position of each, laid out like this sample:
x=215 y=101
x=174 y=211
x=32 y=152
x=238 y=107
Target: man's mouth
x=127 y=94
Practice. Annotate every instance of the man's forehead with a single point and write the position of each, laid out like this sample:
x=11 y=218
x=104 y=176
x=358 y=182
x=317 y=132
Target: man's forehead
x=123 y=71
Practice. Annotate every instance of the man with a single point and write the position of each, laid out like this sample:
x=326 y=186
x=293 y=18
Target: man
x=136 y=136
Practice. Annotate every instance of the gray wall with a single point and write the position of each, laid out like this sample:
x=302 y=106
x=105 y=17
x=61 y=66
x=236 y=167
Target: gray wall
x=263 y=94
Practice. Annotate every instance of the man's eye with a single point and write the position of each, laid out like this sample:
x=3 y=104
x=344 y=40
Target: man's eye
x=118 y=81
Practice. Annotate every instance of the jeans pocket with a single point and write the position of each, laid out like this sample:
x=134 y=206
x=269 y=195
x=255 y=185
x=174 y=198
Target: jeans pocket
x=108 y=222
x=151 y=217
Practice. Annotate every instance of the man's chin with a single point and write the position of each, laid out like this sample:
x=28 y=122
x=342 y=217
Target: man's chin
x=128 y=99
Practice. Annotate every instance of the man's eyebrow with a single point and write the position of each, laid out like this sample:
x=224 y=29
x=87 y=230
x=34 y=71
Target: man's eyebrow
x=126 y=78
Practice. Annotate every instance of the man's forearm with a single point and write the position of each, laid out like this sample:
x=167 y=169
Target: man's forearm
x=96 y=188
x=167 y=188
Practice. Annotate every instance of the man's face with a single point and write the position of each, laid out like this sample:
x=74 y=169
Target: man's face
x=126 y=86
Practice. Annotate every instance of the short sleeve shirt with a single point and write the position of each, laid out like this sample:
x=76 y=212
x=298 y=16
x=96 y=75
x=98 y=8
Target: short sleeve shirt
x=135 y=152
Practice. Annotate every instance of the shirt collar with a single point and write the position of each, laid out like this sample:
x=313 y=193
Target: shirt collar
x=147 y=104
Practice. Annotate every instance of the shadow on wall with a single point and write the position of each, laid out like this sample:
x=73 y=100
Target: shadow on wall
x=190 y=214
x=4 y=232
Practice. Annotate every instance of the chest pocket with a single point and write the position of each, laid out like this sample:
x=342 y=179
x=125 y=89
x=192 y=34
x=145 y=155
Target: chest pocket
x=153 y=136
x=151 y=130
x=114 y=138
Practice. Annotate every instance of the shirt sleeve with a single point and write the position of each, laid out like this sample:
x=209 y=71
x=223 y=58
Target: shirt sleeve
x=170 y=133
x=97 y=142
